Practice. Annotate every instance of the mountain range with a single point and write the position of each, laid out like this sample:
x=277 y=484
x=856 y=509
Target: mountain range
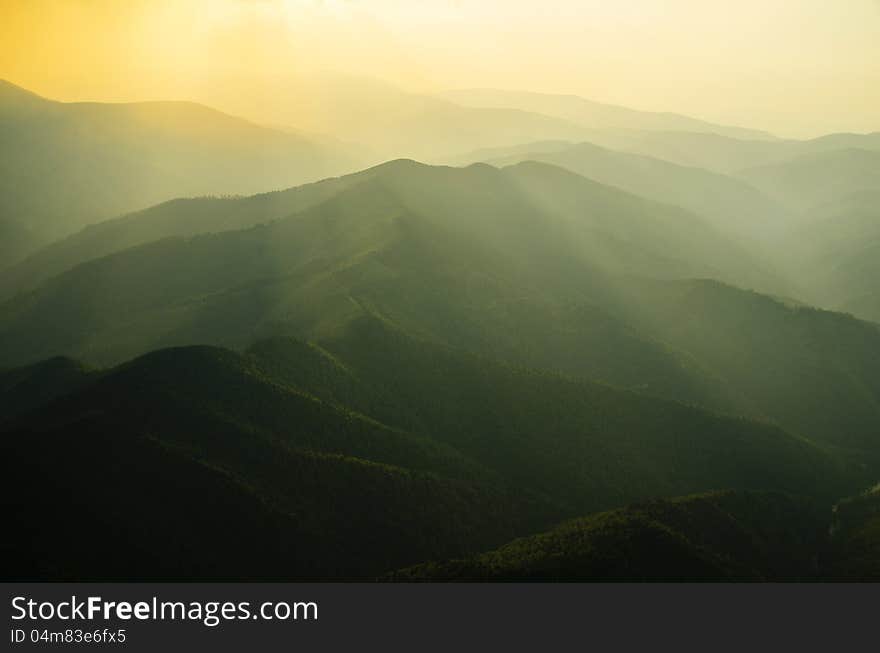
x=65 y=165
x=322 y=455
x=596 y=344
x=590 y=114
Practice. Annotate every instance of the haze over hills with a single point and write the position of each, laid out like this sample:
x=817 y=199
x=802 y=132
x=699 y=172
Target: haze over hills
x=836 y=251
x=712 y=151
x=493 y=233
x=594 y=114
x=65 y=165
x=529 y=264
x=392 y=122
x=387 y=121
x=179 y=217
x=734 y=206
x=815 y=179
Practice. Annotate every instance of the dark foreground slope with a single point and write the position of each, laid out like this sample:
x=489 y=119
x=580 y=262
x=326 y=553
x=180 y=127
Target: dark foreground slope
x=724 y=536
x=297 y=462
x=188 y=464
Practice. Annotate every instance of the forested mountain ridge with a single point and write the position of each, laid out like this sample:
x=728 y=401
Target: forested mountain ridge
x=593 y=114
x=530 y=264
x=733 y=206
x=497 y=231
x=724 y=536
x=349 y=459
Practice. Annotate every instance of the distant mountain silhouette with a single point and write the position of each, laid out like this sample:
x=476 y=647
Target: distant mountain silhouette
x=530 y=264
x=588 y=113
x=385 y=120
x=814 y=179
x=68 y=164
x=836 y=253
x=712 y=151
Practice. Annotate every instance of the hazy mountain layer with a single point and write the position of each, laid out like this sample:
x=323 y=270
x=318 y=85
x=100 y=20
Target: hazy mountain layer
x=385 y=120
x=525 y=264
x=811 y=180
x=402 y=233
x=659 y=225
x=718 y=153
x=17 y=241
x=732 y=205
x=836 y=252
x=179 y=217
x=594 y=114
x=64 y=165
x=787 y=359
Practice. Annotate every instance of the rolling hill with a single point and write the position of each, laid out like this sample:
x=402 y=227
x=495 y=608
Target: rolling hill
x=189 y=217
x=190 y=464
x=723 y=536
x=784 y=358
x=17 y=241
x=836 y=252
x=853 y=552
x=732 y=205
x=696 y=149
x=385 y=121
x=590 y=114
x=64 y=165
x=810 y=180
x=530 y=264
x=179 y=217
x=866 y=306
x=347 y=459
x=403 y=232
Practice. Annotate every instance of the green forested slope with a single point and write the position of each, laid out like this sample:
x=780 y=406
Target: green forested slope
x=370 y=452
x=402 y=234
x=814 y=372
x=733 y=205
x=816 y=178
x=725 y=536
x=189 y=464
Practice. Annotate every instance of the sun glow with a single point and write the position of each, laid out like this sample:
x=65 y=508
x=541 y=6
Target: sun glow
x=758 y=63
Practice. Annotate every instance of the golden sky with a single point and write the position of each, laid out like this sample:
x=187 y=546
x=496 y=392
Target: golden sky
x=794 y=67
